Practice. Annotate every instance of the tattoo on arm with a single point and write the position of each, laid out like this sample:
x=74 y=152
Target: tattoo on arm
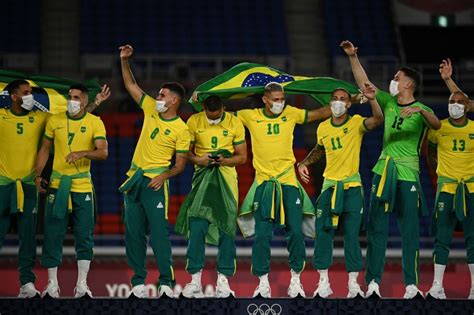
x=315 y=155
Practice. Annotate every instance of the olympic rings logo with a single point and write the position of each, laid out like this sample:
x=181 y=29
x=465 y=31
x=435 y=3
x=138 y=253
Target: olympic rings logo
x=264 y=309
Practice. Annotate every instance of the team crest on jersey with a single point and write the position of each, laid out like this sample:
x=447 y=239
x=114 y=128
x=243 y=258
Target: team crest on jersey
x=344 y=130
x=284 y=118
x=471 y=136
x=51 y=198
x=31 y=119
x=167 y=132
x=255 y=206
x=83 y=129
x=319 y=213
x=440 y=206
x=225 y=133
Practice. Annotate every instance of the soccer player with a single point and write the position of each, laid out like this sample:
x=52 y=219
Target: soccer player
x=396 y=185
x=146 y=195
x=209 y=212
x=341 y=199
x=276 y=196
x=21 y=128
x=78 y=138
x=451 y=155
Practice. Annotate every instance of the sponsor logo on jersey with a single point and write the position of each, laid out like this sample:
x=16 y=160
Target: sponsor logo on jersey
x=167 y=132
x=413 y=188
x=159 y=205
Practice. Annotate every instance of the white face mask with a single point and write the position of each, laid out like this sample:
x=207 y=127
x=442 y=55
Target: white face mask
x=277 y=107
x=456 y=110
x=28 y=102
x=161 y=106
x=73 y=107
x=393 y=88
x=214 y=121
x=338 y=108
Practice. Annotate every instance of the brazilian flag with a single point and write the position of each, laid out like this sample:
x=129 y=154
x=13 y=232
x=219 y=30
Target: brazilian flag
x=49 y=92
x=246 y=79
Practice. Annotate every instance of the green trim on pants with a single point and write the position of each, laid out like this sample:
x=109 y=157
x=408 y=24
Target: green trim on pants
x=351 y=218
x=292 y=202
x=83 y=223
x=445 y=221
x=196 y=248
x=145 y=214
x=406 y=209
x=27 y=222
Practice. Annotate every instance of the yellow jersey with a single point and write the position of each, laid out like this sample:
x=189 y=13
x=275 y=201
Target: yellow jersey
x=72 y=135
x=159 y=139
x=272 y=142
x=19 y=142
x=455 y=146
x=342 y=146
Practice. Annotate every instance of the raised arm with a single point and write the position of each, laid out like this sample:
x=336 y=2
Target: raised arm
x=315 y=155
x=41 y=159
x=319 y=113
x=357 y=70
x=103 y=95
x=446 y=72
x=377 y=115
x=131 y=85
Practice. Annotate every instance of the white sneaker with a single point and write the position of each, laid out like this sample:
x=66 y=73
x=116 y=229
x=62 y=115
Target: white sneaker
x=209 y=291
x=193 y=290
x=354 y=290
x=28 y=291
x=436 y=291
x=295 y=288
x=471 y=294
x=82 y=289
x=263 y=289
x=177 y=290
x=52 y=289
x=372 y=289
x=323 y=289
x=411 y=291
x=222 y=287
x=139 y=291
x=165 y=290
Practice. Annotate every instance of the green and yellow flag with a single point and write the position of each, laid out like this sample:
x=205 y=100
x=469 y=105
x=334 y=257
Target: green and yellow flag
x=49 y=92
x=246 y=79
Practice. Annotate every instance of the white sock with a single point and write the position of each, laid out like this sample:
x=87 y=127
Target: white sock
x=439 y=273
x=471 y=269
x=295 y=275
x=264 y=278
x=323 y=275
x=353 y=276
x=82 y=270
x=53 y=275
x=196 y=277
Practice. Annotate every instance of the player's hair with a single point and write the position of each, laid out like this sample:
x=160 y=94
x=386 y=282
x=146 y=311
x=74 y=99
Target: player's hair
x=213 y=103
x=175 y=87
x=13 y=86
x=273 y=87
x=342 y=89
x=413 y=75
x=79 y=86
x=461 y=93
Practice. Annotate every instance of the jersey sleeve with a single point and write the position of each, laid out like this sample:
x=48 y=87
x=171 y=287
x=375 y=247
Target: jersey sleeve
x=239 y=133
x=360 y=120
x=147 y=104
x=191 y=123
x=319 y=136
x=383 y=98
x=301 y=115
x=183 y=140
x=432 y=137
x=49 y=130
x=243 y=115
x=99 y=129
